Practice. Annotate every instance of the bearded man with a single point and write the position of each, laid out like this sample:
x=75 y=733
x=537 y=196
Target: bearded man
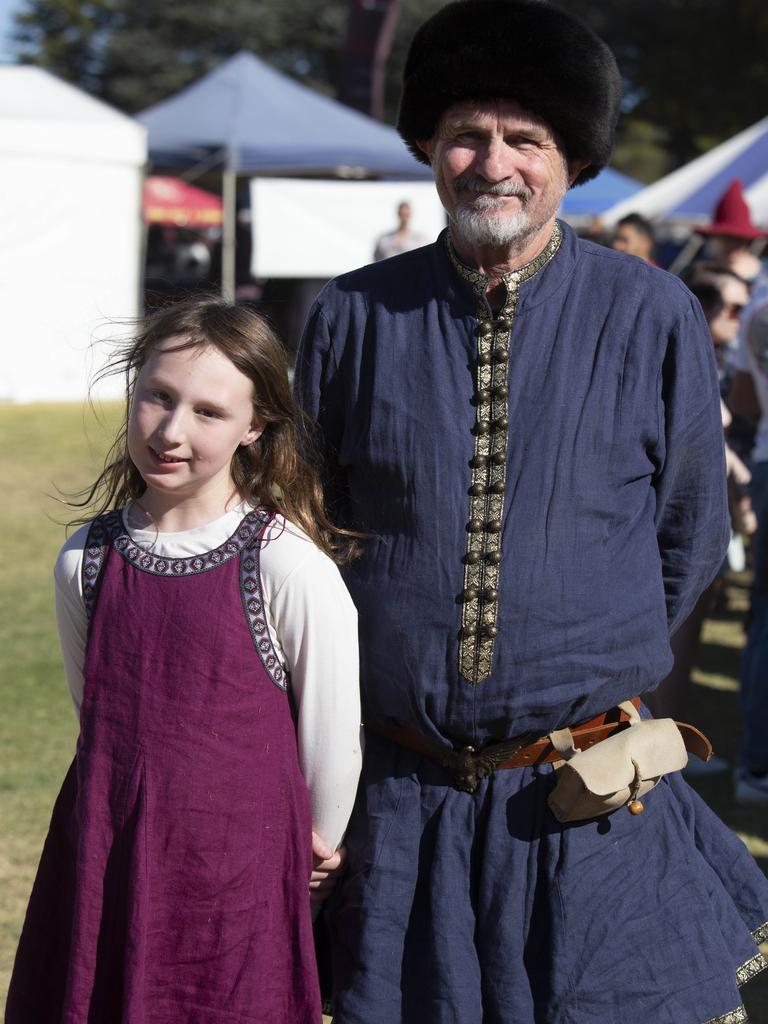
x=528 y=428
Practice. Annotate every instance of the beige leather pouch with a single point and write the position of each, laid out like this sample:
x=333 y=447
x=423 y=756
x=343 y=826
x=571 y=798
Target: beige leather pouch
x=616 y=771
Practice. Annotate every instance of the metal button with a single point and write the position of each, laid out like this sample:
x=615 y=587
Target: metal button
x=473 y=557
x=478 y=490
x=483 y=395
x=498 y=458
x=485 y=328
x=479 y=461
x=497 y=487
x=491 y=594
x=493 y=557
x=471 y=594
x=493 y=526
x=468 y=631
x=489 y=630
x=485 y=359
x=474 y=526
x=483 y=427
x=501 y=423
x=502 y=355
x=502 y=391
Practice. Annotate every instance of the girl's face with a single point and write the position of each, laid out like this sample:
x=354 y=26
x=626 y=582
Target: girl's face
x=191 y=410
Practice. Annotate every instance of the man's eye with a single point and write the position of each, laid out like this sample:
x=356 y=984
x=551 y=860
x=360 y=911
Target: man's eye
x=161 y=396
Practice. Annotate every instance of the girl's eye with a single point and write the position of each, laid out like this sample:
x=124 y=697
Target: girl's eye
x=209 y=414
x=161 y=396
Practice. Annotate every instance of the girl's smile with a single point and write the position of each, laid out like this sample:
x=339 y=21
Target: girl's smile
x=165 y=460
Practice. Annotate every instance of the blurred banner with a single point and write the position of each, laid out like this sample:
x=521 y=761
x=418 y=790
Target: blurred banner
x=318 y=229
x=370 y=30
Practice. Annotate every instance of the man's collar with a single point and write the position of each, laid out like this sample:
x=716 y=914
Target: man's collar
x=480 y=281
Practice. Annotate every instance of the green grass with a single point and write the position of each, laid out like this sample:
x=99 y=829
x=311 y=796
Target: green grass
x=48 y=446
x=43 y=447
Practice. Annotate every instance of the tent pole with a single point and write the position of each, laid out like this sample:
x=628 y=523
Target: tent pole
x=229 y=190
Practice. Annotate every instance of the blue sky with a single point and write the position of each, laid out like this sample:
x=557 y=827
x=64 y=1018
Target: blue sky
x=7 y=9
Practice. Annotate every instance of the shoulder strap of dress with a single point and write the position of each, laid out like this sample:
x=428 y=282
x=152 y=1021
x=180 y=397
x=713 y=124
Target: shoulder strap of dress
x=100 y=535
x=253 y=599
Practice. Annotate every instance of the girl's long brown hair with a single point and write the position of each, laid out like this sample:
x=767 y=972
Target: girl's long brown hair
x=272 y=471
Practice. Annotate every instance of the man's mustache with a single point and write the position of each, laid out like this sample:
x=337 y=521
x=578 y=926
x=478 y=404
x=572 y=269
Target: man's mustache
x=477 y=184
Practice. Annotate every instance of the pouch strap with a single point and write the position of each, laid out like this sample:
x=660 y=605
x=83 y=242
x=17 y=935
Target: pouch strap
x=562 y=739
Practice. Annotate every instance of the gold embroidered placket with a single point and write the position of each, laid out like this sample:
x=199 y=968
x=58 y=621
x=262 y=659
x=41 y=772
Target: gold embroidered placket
x=480 y=606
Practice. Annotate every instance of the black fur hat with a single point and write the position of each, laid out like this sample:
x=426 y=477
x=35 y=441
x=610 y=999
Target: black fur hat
x=525 y=50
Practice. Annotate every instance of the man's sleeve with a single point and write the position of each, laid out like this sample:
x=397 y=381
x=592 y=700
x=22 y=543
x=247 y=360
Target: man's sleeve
x=319 y=391
x=692 y=523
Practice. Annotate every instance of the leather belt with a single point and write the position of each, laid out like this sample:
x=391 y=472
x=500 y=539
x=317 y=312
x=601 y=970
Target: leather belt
x=467 y=766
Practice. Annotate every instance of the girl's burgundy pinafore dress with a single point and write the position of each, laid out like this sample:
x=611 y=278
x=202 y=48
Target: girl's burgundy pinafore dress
x=173 y=886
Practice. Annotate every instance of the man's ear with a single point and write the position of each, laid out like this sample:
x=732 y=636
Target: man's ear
x=426 y=146
x=575 y=167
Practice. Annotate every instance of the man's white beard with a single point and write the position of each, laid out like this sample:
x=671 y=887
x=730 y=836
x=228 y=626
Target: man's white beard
x=477 y=225
x=481 y=220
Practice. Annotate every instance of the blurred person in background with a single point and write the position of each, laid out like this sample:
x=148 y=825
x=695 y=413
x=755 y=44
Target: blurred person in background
x=402 y=239
x=634 y=234
x=722 y=295
x=732 y=237
x=749 y=399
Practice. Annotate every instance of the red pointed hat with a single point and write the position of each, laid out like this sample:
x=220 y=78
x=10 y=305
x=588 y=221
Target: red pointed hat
x=732 y=216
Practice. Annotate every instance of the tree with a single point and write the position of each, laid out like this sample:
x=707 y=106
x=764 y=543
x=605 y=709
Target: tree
x=695 y=70
x=133 y=55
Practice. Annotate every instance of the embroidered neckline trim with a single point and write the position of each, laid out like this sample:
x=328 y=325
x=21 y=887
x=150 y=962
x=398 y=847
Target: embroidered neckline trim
x=480 y=281
x=111 y=527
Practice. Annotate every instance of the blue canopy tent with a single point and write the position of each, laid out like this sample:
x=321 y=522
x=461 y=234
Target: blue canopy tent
x=590 y=199
x=259 y=121
x=247 y=118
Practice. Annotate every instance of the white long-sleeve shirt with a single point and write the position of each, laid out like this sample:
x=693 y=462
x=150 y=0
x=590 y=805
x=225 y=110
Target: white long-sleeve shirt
x=313 y=627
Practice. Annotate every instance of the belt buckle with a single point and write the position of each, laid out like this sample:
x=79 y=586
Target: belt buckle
x=469 y=766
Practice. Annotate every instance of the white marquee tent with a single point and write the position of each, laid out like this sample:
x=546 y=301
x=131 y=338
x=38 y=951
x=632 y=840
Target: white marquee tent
x=70 y=232
x=690 y=193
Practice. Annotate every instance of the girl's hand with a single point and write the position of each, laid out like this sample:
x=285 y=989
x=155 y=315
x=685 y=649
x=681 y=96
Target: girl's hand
x=327 y=868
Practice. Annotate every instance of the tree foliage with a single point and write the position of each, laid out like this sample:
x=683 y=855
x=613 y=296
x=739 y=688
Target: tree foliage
x=695 y=71
x=135 y=54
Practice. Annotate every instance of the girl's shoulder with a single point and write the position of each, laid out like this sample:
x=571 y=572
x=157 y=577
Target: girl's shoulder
x=70 y=558
x=289 y=554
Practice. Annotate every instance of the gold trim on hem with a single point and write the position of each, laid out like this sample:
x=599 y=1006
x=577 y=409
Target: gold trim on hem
x=737 y=1016
x=751 y=969
x=482 y=564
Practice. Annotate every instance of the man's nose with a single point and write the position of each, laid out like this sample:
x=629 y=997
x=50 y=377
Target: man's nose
x=494 y=160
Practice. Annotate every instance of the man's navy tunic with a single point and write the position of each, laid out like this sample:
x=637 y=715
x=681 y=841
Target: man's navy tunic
x=614 y=513
x=610 y=519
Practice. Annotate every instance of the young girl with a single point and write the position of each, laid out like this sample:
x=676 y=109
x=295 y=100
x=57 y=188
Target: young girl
x=211 y=651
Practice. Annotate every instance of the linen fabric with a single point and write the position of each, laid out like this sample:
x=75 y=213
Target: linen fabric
x=172 y=888
x=481 y=906
x=312 y=626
